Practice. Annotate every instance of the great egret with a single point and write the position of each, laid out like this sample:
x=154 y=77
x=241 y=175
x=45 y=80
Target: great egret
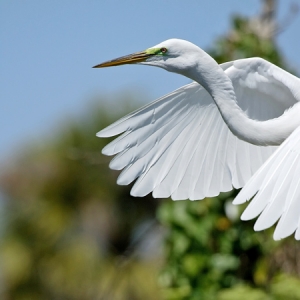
x=212 y=134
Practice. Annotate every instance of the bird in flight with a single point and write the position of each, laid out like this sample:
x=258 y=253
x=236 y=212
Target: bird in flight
x=236 y=125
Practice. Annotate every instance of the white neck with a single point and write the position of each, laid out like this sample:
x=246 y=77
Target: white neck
x=219 y=86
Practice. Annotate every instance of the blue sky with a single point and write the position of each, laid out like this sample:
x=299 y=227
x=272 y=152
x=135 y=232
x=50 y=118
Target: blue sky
x=48 y=48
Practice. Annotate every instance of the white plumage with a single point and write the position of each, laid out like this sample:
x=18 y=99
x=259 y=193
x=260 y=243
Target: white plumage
x=214 y=134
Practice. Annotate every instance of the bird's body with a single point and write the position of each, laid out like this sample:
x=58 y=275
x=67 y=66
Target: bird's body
x=215 y=133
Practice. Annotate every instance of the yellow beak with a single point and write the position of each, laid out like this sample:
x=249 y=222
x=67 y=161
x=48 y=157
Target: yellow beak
x=128 y=59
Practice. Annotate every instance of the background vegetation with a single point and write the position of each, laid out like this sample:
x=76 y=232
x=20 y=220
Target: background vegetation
x=69 y=232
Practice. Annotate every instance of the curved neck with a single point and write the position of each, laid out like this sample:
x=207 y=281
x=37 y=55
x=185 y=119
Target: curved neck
x=271 y=132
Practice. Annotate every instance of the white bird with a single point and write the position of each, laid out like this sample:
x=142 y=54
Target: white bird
x=215 y=134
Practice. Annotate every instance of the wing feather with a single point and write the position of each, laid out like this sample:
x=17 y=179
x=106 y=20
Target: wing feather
x=276 y=190
x=179 y=145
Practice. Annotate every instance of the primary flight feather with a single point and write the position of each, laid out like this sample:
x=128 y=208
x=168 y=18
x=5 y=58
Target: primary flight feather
x=220 y=131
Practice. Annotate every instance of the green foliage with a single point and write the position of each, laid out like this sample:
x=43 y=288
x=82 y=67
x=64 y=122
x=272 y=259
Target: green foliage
x=207 y=251
x=243 y=292
x=285 y=287
x=242 y=42
x=210 y=256
x=69 y=227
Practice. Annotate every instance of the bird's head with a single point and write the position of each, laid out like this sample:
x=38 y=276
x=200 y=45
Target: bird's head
x=173 y=55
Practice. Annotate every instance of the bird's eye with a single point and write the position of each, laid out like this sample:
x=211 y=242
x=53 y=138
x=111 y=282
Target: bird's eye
x=163 y=50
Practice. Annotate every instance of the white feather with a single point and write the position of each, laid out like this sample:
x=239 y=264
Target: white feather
x=214 y=134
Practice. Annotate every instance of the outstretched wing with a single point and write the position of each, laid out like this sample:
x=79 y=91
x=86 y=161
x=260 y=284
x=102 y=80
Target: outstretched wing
x=276 y=186
x=179 y=145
